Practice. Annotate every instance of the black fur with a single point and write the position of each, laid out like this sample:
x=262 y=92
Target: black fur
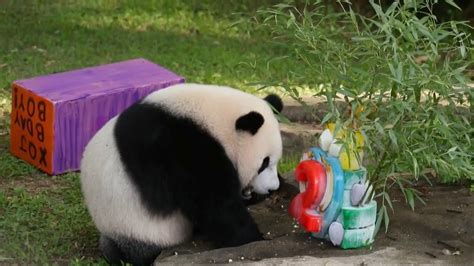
x=175 y=164
x=119 y=250
x=275 y=101
x=250 y=122
x=264 y=165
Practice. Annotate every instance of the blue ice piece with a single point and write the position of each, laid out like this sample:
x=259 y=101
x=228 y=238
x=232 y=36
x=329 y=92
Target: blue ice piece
x=334 y=171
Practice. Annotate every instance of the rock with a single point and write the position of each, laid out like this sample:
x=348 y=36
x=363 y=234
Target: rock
x=384 y=256
x=299 y=137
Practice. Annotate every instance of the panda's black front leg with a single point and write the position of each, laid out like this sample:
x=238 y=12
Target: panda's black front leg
x=229 y=224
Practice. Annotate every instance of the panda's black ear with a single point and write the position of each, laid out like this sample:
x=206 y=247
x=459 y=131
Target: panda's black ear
x=250 y=122
x=275 y=101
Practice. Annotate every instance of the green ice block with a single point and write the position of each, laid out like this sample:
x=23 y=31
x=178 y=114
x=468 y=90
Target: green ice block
x=356 y=238
x=355 y=176
x=358 y=217
x=347 y=198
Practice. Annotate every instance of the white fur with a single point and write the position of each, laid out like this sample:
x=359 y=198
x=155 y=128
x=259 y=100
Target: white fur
x=113 y=201
x=266 y=180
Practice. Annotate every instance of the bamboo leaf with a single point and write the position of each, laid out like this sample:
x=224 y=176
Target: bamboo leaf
x=379 y=128
x=409 y=198
x=354 y=19
x=388 y=200
x=386 y=219
x=379 y=219
x=393 y=138
x=451 y=2
x=391 y=8
x=378 y=10
x=346 y=92
x=417 y=92
x=283 y=119
x=327 y=117
x=462 y=49
x=399 y=74
x=417 y=195
x=291 y=20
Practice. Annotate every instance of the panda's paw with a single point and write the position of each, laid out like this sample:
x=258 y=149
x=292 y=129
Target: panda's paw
x=110 y=250
x=241 y=239
x=254 y=237
x=120 y=250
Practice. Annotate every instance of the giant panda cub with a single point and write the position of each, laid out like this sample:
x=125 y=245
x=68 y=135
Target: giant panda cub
x=179 y=161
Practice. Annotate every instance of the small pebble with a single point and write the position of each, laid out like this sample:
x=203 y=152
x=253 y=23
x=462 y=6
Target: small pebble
x=268 y=233
x=230 y=260
x=242 y=258
x=295 y=226
x=176 y=253
x=449 y=253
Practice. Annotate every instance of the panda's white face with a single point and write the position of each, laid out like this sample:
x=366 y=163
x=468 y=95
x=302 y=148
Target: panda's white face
x=266 y=180
x=258 y=156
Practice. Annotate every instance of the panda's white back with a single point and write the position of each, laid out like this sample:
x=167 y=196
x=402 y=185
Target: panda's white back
x=113 y=201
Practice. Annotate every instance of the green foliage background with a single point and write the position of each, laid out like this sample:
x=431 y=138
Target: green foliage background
x=407 y=70
x=404 y=67
x=43 y=219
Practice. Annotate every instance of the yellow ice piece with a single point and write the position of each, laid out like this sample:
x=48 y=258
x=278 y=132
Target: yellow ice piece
x=341 y=134
x=348 y=158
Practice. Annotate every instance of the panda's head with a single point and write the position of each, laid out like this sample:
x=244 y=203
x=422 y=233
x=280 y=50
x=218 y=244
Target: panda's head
x=260 y=148
x=242 y=123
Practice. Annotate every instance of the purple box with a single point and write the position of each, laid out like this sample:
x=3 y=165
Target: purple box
x=54 y=116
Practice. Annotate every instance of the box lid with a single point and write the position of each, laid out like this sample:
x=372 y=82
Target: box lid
x=98 y=80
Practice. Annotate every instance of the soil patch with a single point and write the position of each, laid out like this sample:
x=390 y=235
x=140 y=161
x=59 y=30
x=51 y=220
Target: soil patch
x=33 y=184
x=440 y=231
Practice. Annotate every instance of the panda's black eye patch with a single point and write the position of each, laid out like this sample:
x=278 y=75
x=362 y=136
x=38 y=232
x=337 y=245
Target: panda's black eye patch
x=264 y=165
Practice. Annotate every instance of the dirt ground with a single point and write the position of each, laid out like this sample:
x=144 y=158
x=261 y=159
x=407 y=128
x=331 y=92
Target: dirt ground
x=440 y=232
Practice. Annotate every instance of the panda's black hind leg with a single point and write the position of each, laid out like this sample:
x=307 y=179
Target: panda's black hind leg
x=112 y=253
x=121 y=249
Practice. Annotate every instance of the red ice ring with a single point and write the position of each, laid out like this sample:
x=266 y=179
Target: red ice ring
x=303 y=205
